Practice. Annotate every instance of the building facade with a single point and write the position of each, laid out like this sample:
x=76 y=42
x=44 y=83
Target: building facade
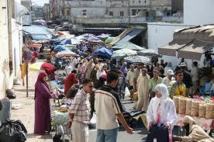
x=46 y=11
x=27 y=4
x=110 y=11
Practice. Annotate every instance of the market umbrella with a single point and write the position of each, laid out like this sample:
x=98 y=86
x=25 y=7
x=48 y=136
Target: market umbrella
x=128 y=45
x=109 y=40
x=65 y=54
x=66 y=41
x=103 y=36
x=148 y=52
x=137 y=59
x=123 y=53
x=59 y=48
x=103 y=52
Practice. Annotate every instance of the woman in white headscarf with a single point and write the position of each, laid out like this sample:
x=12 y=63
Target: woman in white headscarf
x=161 y=109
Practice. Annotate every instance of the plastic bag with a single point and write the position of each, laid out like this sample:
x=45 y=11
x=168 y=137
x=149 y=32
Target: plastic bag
x=127 y=92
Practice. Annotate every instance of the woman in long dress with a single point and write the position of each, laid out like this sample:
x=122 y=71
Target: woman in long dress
x=161 y=112
x=42 y=105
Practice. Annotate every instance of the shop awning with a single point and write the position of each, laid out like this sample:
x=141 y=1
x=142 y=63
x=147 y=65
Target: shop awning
x=195 y=50
x=172 y=47
x=133 y=33
x=127 y=35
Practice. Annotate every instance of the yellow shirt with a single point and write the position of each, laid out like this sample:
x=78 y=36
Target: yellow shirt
x=178 y=90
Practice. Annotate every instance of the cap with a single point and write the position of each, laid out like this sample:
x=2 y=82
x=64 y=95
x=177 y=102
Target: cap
x=170 y=72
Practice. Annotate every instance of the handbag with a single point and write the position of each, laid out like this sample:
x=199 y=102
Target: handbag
x=13 y=131
x=159 y=133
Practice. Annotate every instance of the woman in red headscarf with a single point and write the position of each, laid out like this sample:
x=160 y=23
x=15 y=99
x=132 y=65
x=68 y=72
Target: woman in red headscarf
x=42 y=105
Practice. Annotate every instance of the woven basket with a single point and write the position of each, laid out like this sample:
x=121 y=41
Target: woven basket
x=209 y=111
x=188 y=106
x=182 y=105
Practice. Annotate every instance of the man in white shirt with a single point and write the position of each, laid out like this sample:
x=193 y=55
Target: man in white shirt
x=169 y=78
x=109 y=110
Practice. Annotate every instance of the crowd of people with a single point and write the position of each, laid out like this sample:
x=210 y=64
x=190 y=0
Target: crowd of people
x=105 y=83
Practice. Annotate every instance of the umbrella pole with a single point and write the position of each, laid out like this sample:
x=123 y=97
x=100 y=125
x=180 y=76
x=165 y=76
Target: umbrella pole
x=26 y=79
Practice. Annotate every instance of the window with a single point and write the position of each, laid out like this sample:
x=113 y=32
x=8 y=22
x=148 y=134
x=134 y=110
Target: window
x=134 y=12
x=67 y=12
x=84 y=12
x=121 y=13
x=111 y=13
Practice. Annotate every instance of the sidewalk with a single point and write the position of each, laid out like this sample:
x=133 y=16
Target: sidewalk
x=23 y=109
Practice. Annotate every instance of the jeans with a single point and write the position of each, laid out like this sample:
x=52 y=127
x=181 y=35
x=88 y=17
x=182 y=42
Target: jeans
x=107 y=135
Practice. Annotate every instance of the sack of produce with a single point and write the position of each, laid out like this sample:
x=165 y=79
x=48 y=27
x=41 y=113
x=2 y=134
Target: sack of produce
x=195 y=108
x=209 y=111
x=188 y=106
x=176 y=101
x=182 y=105
x=202 y=110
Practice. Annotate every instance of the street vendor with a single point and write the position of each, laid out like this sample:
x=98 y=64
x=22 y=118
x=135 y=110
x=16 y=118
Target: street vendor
x=194 y=132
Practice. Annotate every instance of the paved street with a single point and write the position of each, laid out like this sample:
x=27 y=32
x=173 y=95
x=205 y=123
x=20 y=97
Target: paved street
x=23 y=109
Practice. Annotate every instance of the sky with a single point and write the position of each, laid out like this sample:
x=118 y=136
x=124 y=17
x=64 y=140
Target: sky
x=40 y=2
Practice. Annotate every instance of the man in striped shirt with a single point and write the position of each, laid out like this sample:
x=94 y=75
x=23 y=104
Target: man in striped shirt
x=79 y=113
x=109 y=110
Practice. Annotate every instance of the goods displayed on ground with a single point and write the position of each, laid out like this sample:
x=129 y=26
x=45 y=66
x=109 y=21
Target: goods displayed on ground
x=197 y=107
x=201 y=109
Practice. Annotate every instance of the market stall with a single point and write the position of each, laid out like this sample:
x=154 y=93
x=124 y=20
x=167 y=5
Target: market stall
x=200 y=108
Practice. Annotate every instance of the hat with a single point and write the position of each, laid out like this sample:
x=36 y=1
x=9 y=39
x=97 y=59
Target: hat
x=170 y=72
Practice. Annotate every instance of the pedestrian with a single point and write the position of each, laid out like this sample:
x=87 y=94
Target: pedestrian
x=161 y=115
x=169 y=78
x=79 y=113
x=42 y=105
x=69 y=81
x=109 y=110
x=156 y=79
x=143 y=90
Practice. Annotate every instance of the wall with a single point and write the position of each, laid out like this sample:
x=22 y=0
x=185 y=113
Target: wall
x=198 y=12
x=91 y=12
x=4 y=55
x=160 y=34
x=16 y=47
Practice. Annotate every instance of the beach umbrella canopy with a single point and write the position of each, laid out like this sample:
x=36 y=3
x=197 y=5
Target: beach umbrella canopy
x=103 y=52
x=148 y=52
x=123 y=53
x=137 y=59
